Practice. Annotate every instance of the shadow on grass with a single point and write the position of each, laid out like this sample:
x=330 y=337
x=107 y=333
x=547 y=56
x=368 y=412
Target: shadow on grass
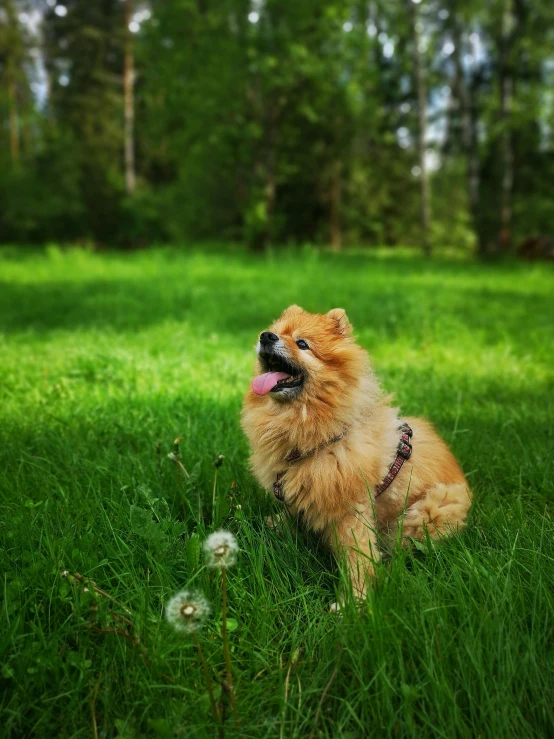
x=389 y=297
x=504 y=446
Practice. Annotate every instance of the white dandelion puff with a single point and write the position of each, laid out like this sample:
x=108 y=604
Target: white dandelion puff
x=221 y=550
x=187 y=610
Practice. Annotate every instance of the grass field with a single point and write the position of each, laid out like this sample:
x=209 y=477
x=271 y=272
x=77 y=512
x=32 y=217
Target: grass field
x=104 y=356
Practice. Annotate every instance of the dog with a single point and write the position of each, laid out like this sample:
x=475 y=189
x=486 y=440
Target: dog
x=328 y=444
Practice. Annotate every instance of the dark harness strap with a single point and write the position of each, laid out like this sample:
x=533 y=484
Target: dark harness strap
x=403 y=452
x=296 y=456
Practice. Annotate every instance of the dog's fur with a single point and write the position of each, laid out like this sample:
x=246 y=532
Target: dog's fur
x=334 y=489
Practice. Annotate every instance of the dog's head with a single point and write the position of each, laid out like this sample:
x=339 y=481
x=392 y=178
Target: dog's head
x=308 y=356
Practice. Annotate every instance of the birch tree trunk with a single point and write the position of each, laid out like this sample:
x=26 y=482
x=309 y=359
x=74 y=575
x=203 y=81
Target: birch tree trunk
x=421 y=85
x=129 y=103
x=473 y=165
x=11 y=82
x=467 y=95
x=506 y=97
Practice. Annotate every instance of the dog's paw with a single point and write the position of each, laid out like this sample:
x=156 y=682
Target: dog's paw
x=339 y=607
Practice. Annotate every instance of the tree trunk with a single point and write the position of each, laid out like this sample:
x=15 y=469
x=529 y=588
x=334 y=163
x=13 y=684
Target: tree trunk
x=334 y=210
x=129 y=103
x=269 y=191
x=467 y=95
x=473 y=172
x=265 y=191
x=506 y=95
x=421 y=85
x=14 y=124
x=11 y=83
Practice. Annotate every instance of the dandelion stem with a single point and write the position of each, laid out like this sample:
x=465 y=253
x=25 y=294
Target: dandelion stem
x=213 y=495
x=226 y=649
x=93 y=711
x=175 y=457
x=182 y=466
x=215 y=712
x=159 y=456
x=200 y=515
x=91 y=584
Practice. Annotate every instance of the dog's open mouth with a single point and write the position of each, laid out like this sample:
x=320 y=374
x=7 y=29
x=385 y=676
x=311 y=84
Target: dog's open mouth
x=280 y=374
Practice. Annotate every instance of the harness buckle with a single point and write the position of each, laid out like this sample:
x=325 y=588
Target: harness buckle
x=278 y=487
x=404 y=449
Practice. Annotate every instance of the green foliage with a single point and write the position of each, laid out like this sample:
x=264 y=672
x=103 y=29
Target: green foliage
x=107 y=359
x=300 y=126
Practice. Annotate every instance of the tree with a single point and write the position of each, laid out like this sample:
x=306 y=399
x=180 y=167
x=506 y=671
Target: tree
x=276 y=122
x=84 y=53
x=129 y=103
x=13 y=55
x=506 y=85
x=421 y=87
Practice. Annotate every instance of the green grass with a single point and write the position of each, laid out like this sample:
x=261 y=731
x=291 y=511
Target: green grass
x=104 y=356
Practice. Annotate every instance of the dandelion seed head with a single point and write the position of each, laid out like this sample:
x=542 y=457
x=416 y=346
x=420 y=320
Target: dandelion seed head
x=221 y=550
x=187 y=610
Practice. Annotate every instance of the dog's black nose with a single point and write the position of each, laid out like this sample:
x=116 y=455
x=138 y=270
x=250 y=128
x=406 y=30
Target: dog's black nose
x=267 y=338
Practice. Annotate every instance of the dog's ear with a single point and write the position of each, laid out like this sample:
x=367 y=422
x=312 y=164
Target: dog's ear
x=291 y=311
x=343 y=325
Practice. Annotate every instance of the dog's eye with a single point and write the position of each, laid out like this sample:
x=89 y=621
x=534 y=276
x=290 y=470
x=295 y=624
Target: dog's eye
x=301 y=344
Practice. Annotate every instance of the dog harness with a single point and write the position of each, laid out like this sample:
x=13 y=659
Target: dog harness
x=403 y=452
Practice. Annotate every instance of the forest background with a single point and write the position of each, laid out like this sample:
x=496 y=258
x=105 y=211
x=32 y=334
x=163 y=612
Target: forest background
x=126 y=123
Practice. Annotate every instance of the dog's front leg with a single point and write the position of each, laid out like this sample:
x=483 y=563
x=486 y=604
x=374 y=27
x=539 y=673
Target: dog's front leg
x=355 y=538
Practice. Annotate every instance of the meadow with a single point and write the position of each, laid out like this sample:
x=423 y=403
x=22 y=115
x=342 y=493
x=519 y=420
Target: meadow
x=106 y=358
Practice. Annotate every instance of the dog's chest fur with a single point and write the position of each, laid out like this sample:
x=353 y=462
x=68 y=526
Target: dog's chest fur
x=326 y=486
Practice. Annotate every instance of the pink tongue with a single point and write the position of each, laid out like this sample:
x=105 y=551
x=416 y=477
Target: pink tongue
x=266 y=382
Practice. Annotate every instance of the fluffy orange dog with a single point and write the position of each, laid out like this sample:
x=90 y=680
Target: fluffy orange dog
x=327 y=443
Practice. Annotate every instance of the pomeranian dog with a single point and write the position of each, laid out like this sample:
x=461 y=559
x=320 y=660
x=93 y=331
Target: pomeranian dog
x=326 y=442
